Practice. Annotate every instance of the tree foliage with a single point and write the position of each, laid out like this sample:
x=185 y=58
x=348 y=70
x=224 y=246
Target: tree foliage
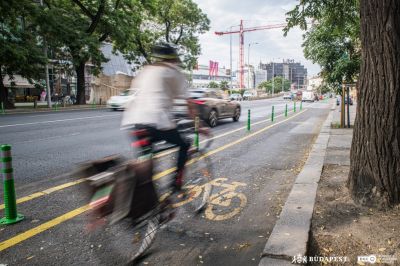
x=213 y=85
x=277 y=85
x=333 y=40
x=224 y=85
x=21 y=51
x=174 y=21
x=76 y=29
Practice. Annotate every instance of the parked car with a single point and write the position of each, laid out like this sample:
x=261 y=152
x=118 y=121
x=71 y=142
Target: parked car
x=119 y=102
x=308 y=96
x=212 y=105
x=288 y=96
x=235 y=97
x=247 y=95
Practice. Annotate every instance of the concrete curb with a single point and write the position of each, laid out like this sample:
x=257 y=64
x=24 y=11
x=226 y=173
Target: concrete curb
x=62 y=109
x=290 y=236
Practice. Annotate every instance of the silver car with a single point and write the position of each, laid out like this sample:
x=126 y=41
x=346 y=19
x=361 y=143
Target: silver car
x=212 y=105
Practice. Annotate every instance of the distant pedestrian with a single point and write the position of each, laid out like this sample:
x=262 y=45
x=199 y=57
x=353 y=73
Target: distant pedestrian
x=43 y=96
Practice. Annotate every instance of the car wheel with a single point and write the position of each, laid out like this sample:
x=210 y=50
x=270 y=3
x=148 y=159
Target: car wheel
x=212 y=118
x=236 y=115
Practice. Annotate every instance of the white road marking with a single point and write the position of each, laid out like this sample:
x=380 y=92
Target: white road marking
x=54 y=137
x=55 y=121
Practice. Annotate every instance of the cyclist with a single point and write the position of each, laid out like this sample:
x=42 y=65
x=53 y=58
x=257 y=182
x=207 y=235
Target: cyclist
x=150 y=113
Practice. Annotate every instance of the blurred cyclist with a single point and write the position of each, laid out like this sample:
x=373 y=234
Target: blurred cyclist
x=150 y=113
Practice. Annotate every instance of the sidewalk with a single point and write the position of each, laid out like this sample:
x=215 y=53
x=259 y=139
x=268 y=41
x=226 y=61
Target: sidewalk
x=42 y=107
x=339 y=226
x=320 y=224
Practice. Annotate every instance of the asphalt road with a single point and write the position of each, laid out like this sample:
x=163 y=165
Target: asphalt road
x=262 y=162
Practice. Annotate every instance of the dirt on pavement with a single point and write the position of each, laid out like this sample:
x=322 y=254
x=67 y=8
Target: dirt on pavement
x=342 y=228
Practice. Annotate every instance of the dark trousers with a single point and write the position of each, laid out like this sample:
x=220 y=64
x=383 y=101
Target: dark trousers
x=171 y=136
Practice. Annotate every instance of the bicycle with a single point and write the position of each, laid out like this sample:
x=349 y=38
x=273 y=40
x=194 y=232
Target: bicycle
x=110 y=180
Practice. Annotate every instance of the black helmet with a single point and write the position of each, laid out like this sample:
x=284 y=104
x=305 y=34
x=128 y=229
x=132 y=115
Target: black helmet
x=164 y=51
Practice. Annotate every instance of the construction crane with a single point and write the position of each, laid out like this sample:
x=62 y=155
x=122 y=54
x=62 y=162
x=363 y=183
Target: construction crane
x=241 y=32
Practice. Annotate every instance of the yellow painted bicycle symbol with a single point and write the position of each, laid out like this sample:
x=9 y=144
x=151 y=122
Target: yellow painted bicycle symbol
x=224 y=204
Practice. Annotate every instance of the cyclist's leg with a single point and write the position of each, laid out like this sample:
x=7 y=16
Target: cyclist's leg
x=173 y=136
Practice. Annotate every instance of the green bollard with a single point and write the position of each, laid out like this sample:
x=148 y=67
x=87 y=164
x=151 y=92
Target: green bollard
x=93 y=104
x=286 y=111
x=301 y=105
x=272 y=114
x=294 y=107
x=248 y=120
x=196 y=133
x=10 y=202
x=3 y=111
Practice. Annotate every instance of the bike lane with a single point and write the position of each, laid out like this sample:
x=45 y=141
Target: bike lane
x=253 y=181
x=61 y=244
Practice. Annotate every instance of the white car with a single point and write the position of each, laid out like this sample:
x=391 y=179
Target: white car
x=119 y=102
x=235 y=97
x=247 y=95
x=287 y=96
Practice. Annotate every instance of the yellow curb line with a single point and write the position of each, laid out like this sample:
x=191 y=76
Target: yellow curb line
x=43 y=227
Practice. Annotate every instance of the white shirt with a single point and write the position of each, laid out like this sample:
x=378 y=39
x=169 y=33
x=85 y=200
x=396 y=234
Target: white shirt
x=158 y=85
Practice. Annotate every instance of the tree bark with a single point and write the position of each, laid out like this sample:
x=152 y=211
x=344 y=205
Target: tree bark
x=374 y=177
x=4 y=94
x=80 y=90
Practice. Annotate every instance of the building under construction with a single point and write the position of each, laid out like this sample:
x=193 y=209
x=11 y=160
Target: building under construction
x=289 y=69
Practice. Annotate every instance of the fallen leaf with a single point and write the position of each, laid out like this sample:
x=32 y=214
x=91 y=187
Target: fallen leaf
x=326 y=250
x=382 y=249
x=30 y=257
x=244 y=245
x=360 y=263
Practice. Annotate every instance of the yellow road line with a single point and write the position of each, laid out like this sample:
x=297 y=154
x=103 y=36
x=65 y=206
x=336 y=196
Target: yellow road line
x=224 y=147
x=219 y=136
x=157 y=176
x=46 y=192
x=43 y=227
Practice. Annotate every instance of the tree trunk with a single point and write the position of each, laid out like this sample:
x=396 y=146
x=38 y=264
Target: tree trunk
x=80 y=91
x=4 y=94
x=374 y=177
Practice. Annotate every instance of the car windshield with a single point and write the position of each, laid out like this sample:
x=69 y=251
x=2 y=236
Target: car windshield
x=127 y=93
x=197 y=94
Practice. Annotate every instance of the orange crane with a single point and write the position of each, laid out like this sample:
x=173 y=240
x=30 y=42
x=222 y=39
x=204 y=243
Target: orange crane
x=241 y=32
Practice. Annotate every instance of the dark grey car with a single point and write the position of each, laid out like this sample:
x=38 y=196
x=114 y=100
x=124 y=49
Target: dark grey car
x=212 y=105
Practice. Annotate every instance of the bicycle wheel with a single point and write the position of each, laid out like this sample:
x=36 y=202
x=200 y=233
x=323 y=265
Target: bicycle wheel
x=122 y=243
x=198 y=187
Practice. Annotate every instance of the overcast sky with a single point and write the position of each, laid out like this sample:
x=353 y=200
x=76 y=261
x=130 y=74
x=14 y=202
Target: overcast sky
x=271 y=43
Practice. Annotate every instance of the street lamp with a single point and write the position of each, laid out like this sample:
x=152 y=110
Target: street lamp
x=230 y=49
x=248 y=64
